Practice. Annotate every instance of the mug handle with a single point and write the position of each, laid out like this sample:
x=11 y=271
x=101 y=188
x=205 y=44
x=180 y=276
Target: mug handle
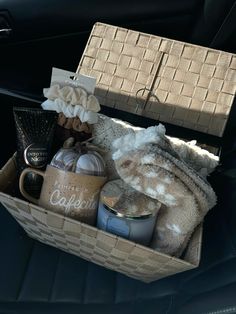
x=21 y=184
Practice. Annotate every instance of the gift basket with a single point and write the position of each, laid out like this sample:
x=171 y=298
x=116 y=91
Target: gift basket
x=128 y=198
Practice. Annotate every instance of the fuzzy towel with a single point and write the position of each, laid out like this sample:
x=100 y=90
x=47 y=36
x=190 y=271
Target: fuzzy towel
x=147 y=161
x=107 y=130
x=104 y=132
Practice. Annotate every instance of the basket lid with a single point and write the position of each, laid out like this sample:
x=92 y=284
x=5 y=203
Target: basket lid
x=163 y=79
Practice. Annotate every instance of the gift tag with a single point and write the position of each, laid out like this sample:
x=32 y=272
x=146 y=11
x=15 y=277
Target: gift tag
x=67 y=78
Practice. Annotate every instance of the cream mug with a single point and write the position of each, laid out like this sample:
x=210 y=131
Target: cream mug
x=71 y=194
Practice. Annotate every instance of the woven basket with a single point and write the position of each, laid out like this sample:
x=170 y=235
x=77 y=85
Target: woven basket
x=154 y=77
x=92 y=244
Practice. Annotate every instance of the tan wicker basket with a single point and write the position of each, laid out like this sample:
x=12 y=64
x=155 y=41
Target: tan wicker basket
x=92 y=244
x=151 y=76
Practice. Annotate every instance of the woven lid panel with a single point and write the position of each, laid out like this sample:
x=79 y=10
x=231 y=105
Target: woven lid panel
x=163 y=79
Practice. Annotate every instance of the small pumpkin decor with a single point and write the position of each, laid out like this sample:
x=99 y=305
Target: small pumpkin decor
x=83 y=169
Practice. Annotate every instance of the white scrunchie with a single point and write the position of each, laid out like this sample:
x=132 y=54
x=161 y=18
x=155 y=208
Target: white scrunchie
x=73 y=96
x=70 y=111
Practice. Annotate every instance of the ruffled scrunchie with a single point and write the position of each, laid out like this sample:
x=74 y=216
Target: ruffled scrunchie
x=70 y=111
x=72 y=102
x=73 y=96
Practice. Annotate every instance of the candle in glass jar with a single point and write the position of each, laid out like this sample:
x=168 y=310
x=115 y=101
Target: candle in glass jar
x=126 y=212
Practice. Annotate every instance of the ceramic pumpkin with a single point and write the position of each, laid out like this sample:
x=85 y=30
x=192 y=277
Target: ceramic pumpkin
x=79 y=159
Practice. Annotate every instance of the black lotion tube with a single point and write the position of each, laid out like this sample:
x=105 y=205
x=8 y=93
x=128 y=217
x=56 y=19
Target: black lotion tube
x=35 y=131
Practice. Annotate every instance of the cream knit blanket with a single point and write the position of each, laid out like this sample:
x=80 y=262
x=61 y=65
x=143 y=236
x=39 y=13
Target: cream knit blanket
x=107 y=130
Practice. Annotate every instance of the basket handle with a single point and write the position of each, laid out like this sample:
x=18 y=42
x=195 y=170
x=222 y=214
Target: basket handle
x=21 y=184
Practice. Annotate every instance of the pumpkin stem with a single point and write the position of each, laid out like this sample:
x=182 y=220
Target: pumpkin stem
x=69 y=142
x=96 y=148
x=78 y=148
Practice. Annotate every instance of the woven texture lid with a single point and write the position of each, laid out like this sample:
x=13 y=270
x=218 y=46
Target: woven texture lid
x=163 y=79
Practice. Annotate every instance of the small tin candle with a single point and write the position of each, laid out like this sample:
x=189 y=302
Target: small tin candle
x=126 y=212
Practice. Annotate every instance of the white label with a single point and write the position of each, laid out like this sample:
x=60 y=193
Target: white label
x=67 y=78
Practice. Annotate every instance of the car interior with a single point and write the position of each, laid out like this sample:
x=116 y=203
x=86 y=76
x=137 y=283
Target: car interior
x=36 y=36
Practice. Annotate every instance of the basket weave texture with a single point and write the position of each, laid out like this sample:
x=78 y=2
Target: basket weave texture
x=160 y=78
x=92 y=244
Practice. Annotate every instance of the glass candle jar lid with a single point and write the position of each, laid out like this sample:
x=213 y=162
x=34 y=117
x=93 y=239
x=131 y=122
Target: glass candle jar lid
x=124 y=201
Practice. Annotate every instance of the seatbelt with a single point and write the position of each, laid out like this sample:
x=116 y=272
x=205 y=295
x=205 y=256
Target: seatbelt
x=226 y=29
